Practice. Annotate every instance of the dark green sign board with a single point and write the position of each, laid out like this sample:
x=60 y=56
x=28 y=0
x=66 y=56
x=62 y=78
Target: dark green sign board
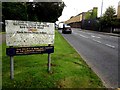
x=29 y=50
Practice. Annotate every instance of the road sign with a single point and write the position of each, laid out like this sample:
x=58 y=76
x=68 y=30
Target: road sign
x=26 y=33
x=27 y=37
x=29 y=50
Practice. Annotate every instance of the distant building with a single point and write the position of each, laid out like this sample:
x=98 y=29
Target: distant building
x=118 y=11
x=78 y=20
x=14 y=0
x=75 y=21
x=47 y=0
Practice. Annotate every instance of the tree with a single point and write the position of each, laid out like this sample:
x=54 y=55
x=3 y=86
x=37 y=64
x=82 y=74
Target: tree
x=14 y=11
x=108 y=17
x=48 y=11
x=32 y=11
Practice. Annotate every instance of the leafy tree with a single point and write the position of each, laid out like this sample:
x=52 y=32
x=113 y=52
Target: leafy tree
x=108 y=17
x=35 y=11
x=14 y=11
x=48 y=11
x=32 y=11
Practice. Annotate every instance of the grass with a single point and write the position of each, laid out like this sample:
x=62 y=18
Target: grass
x=2 y=32
x=68 y=69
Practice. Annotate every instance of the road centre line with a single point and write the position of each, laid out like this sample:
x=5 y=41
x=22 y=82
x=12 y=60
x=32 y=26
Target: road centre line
x=86 y=32
x=113 y=37
x=104 y=44
x=110 y=45
x=101 y=35
x=96 y=41
x=81 y=35
x=95 y=36
x=89 y=33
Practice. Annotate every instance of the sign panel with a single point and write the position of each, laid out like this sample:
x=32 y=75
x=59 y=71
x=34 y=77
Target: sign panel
x=29 y=50
x=26 y=33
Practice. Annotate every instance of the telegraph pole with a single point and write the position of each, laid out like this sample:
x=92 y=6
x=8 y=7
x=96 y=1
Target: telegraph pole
x=101 y=8
x=101 y=15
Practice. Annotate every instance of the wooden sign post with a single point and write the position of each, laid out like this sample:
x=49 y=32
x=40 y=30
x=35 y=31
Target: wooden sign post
x=11 y=67
x=14 y=51
x=49 y=61
x=26 y=36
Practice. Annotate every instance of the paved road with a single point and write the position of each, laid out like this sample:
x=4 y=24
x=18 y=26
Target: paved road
x=99 y=51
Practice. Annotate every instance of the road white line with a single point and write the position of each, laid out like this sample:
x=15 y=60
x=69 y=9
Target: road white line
x=81 y=35
x=110 y=45
x=101 y=35
x=89 y=33
x=74 y=33
x=95 y=36
x=113 y=37
x=96 y=41
x=86 y=32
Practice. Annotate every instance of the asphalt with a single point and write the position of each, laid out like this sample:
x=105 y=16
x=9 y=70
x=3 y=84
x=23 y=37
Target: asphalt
x=100 y=52
x=104 y=33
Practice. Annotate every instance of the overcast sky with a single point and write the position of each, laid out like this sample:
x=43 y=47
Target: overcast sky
x=74 y=7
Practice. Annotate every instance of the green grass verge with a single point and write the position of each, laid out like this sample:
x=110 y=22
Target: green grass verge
x=68 y=69
x=2 y=32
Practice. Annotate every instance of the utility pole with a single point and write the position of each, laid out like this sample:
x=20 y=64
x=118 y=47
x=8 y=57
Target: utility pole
x=101 y=8
x=101 y=15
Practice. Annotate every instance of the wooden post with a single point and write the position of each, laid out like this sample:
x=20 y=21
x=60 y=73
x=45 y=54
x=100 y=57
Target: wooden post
x=49 y=61
x=11 y=67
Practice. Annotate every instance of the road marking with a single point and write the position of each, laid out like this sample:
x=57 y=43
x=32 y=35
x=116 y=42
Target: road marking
x=86 y=32
x=101 y=35
x=89 y=33
x=105 y=44
x=113 y=37
x=110 y=45
x=95 y=36
x=75 y=33
x=96 y=41
x=81 y=35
